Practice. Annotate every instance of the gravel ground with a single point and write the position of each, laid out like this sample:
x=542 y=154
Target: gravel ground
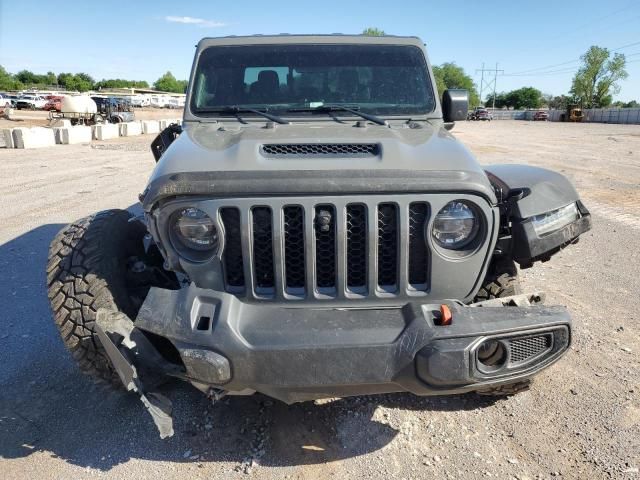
x=581 y=419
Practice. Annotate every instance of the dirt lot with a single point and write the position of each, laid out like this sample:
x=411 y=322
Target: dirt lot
x=580 y=420
x=39 y=118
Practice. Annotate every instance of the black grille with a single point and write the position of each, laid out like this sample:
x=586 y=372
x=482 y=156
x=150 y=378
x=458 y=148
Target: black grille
x=325 y=228
x=387 y=245
x=356 y=246
x=523 y=349
x=418 y=254
x=294 y=246
x=263 y=247
x=361 y=239
x=232 y=258
x=321 y=149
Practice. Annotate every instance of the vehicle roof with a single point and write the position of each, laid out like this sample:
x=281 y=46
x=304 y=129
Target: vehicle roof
x=335 y=38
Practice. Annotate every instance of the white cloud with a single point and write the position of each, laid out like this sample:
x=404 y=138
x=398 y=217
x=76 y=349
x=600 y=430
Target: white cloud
x=200 y=22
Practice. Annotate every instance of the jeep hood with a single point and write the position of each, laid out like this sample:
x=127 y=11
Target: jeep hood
x=222 y=159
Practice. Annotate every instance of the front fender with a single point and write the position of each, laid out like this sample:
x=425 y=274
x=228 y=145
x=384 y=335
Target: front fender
x=528 y=193
x=544 y=190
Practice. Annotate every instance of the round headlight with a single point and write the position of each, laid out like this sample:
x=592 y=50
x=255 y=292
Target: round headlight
x=455 y=226
x=194 y=234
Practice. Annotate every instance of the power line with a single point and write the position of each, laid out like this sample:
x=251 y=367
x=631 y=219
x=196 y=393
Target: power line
x=531 y=70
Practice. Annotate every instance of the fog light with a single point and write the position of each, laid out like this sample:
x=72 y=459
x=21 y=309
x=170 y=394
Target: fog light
x=492 y=355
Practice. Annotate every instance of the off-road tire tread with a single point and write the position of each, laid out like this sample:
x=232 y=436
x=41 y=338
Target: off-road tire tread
x=501 y=281
x=506 y=390
x=85 y=273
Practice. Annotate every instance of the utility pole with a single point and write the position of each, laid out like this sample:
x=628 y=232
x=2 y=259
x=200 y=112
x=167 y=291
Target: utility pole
x=481 y=81
x=490 y=83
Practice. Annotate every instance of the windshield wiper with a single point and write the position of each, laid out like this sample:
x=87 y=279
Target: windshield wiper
x=237 y=109
x=338 y=108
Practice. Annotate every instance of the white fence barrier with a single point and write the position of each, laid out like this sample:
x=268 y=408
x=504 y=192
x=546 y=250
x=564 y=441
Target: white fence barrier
x=594 y=115
x=604 y=115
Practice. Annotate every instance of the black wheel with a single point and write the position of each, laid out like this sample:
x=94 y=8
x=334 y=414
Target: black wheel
x=74 y=121
x=501 y=281
x=87 y=270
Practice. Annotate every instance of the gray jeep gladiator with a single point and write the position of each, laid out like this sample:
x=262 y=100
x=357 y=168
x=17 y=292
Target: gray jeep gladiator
x=313 y=230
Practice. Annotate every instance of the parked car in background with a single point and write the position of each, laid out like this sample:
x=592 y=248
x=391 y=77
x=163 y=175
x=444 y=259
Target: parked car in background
x=53 y=103
x=13 y=99
x=480 y=113
x=30 y=102
x=5 y=102
x=114 y=110
x=540 y=115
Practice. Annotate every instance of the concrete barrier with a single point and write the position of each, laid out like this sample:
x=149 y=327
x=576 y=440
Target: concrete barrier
x=129 y=129
x=105 y=131
x=150 y=126
x=60 y=122
x=162 y=124
x=73 y=135
x=6 y=138
x=36 y=137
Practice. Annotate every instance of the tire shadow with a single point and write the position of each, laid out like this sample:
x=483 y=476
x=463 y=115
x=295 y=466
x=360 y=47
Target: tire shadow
x=47 y=406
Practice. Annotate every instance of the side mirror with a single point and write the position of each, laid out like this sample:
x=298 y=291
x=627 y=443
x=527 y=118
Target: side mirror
x=455 y=105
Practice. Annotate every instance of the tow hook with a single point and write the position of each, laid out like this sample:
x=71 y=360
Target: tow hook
x=122 y=343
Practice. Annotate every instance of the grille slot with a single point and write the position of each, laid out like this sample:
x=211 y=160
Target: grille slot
x=356 y=247
x=294 y=247
x=418 y=253
x=321 y=149
x=325 y=230
x=523 y=349
x=263 y=250
x=232 y=257
x=388 y=246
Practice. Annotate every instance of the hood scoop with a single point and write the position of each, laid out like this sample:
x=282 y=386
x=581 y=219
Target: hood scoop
x=320 y=149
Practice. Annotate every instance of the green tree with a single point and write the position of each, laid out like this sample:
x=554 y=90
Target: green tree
x=449 y=75
x=121 y=83
x=373 y=32
x=83 y=82
x=50 y=78
x=561 y=102
x=8 y=81
x=27 y=77
x=597 y=80
x=168 y=83
x=525 y=97
x=499 y=102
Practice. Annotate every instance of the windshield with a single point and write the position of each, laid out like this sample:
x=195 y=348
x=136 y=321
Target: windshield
x=377 y=79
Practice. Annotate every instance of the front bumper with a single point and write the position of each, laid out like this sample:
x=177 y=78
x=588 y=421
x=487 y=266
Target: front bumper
x=299 y=354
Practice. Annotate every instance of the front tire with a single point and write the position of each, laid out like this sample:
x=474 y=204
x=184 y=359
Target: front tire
x=501 y=281
x=87 y=270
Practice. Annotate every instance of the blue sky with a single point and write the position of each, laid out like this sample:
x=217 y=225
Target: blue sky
x=535 y=43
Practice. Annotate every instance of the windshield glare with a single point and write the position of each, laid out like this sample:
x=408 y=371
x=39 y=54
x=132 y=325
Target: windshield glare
x=377 y=79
